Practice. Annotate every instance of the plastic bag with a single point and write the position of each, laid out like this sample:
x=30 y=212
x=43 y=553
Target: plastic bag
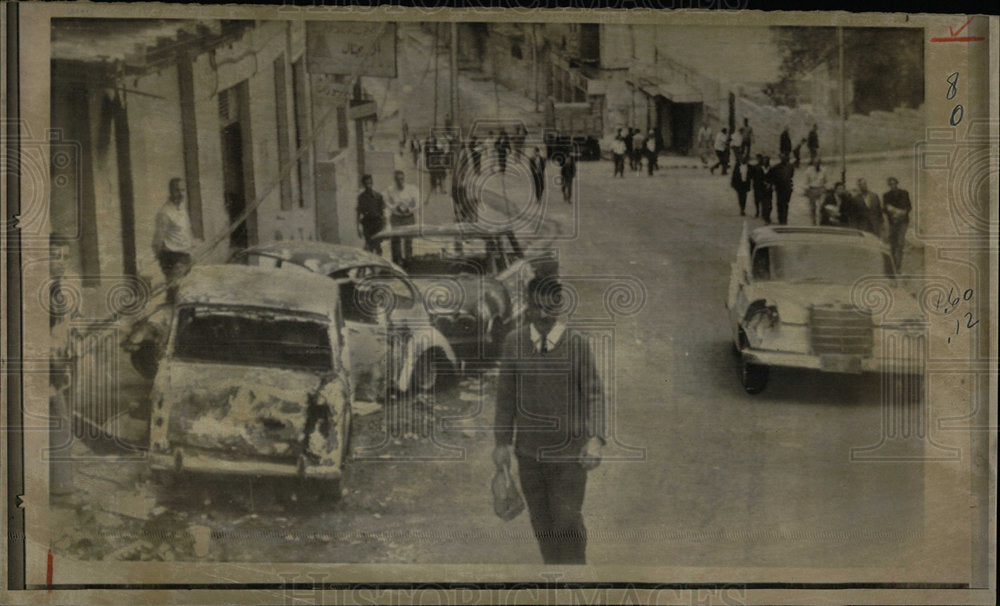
x=507 y=500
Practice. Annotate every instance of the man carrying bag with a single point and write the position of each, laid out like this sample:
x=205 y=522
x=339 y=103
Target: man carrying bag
x=554 y=419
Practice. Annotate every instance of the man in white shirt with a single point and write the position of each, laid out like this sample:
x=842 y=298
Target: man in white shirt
x=704 y=142
x=618 y=150
x=815 y=189
x=172 y=239
x=721 y=152
x=402 y=201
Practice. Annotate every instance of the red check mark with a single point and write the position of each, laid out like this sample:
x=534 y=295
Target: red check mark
x=955 y=34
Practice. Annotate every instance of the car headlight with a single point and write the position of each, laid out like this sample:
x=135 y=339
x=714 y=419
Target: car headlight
x=760 y=322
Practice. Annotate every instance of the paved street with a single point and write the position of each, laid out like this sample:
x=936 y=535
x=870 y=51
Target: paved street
x=726 y=478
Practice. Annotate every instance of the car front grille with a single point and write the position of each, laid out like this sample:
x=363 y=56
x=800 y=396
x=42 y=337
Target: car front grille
x=840 y=331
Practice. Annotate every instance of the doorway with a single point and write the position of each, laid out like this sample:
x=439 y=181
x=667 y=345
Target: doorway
x=675 y=124
x=237 y=165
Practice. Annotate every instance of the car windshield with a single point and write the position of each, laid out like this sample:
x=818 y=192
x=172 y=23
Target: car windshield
x=448 y=256
x=272 y=261
x=820 y=263
x=252 y=337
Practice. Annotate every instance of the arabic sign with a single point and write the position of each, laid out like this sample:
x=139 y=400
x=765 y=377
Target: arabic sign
x=366 y=48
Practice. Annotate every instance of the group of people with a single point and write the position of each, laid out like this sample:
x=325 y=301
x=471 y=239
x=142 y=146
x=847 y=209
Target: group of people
x=398 y=205
x=734 y=148
x=631 y=145
x=567 y=173
x=768 y=184
x=887 y=218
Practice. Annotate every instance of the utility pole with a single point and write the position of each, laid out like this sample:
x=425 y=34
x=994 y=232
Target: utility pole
x=534 y=62
x=454 y=76
x=434 y=49
x=359 y=132
x=843 y=106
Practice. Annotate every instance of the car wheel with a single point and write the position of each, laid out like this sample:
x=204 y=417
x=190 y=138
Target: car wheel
x=753 y=377
x=146 y=360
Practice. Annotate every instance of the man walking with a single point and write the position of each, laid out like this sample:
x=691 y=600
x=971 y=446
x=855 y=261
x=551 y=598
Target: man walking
x=812 y=142
x=897 y=205
x=741 y=183
x=638 y=146
x=554 y=419
x=627 y=137
x=736 y=145
x=815 y=189
x=782 y=177
x=785 y=142
x=760 y=179
x=403 y=201
x=704 y=142
x=618 y=150
x=475 y=153
x=537 y=164
x=652 y=153
x=172 y=238
x=835 y=210
x=867 y=215
x=502 y=148
x=371 y=215
x=747 y=138
x=568 y=172
x=721 y=152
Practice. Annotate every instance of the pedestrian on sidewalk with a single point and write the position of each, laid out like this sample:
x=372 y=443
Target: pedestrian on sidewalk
x=836 y=207
x=638 y=147
x=553 y=424
x=371 y=214
x=740 y=181
x=502 y=148
x=618 y=150
x=537 y=165
x=520 y=135
x=172 y=238
x=721 y=152
x=568 y=172
x=415 y=151
x=736 y=145
x=652 y=153
x=815 y=189
x=705 y=142
x=476 y=153
x=782 y=178
x=628 y=146
x=812 y=142
x=762 y=188
x=866 y=209
x=897 y=206
x=403 y=202
x=747 y=139
x=785 y=142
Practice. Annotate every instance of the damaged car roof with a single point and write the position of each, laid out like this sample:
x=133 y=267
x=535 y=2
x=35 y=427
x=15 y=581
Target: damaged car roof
x=320 y=257
x=243 y=285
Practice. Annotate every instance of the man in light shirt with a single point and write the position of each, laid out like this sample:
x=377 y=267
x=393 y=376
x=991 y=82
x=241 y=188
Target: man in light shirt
x=815 y=189
x=403 y=201
x=172 y=239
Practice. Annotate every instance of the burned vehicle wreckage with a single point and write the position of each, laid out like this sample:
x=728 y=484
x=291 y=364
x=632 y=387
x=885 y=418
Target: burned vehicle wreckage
x=252 y=380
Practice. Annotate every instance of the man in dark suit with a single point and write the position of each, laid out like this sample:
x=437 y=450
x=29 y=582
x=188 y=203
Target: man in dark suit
x=567 y=172
x=371 y=215
x=835 y=209
x=740 y=181
x=537 y=165
x=781 y=177
x=785 y=142
x=502 y=147
x=762 y=190
x=897 y=206
x=866 y=209
x=554 y=419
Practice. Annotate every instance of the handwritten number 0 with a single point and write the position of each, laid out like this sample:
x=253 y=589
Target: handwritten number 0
x=957 y=114
x=953 y=88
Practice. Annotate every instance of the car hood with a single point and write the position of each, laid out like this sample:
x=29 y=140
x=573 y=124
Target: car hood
x=460 y=293
x=793 y=301
x=244 y=410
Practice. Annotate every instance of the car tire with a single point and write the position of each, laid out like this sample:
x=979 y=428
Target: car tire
x=753 y=377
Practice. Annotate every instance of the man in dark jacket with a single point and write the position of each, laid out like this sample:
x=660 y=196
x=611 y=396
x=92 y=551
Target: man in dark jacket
x=812 y=142
x=897 y=206
x=835 y=209
x=567 y=172
x=785 y=142
x=537 y=165
x=762 y=190
x=502 y=147
x=740 y=181
x=549 y=405
x=866 y=210
x=781 y=177
x=371 y=215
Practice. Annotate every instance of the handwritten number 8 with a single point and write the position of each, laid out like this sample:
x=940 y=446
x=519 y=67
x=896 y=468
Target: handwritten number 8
x=953 y=88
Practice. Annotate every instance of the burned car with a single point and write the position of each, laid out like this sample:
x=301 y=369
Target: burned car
x=472 y=277
x=253 y=380
x=790 y=303
x=392 y=345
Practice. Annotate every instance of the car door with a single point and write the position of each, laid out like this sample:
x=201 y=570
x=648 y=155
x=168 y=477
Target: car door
x=366 y=338
x=739 y=279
